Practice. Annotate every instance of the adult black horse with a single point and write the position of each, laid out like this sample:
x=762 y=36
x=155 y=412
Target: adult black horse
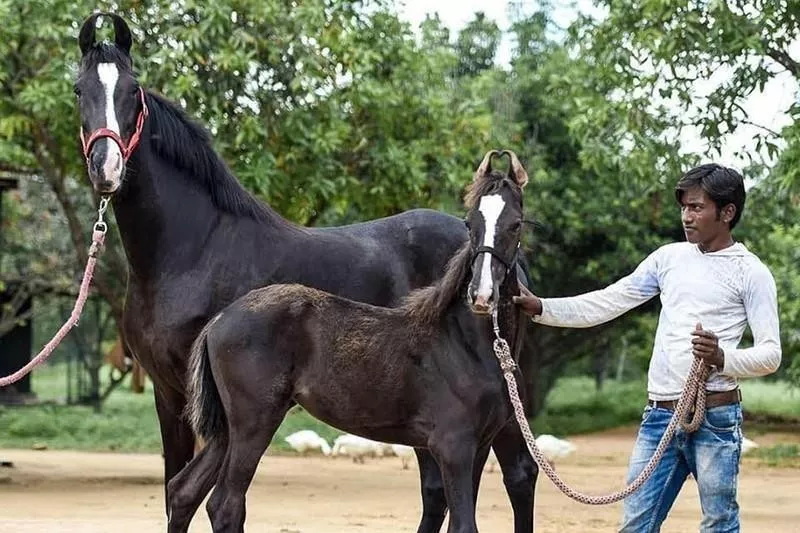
x=195 y=240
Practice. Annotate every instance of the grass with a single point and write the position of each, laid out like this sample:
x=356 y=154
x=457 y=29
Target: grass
x=128 y=421
x=575 y=406
x=783 y=455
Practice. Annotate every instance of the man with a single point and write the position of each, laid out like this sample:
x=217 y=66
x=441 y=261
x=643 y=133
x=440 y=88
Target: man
x=711 y=287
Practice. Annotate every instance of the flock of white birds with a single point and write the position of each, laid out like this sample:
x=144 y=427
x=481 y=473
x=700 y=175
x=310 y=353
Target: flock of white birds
x=358 y=448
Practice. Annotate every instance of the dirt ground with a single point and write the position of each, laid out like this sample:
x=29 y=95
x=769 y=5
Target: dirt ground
x=52 y=491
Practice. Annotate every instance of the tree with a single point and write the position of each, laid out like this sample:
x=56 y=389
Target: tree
x=476 y=45
x=660 y=55
x=329 y=110
x=674 y=51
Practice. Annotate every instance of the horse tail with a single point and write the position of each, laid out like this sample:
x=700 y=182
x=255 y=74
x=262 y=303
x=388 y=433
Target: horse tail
x=205 y=411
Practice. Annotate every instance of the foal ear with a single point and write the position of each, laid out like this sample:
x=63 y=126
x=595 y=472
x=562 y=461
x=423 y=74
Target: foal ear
x=122 y=33
x=87 y=33
x=517 y=170
x=485 y=166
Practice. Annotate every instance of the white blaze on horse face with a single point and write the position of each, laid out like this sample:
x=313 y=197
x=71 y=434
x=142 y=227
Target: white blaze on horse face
x=490 y=208
x=112 y=168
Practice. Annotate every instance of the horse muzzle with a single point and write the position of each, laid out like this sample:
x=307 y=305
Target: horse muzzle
x=480 y=305
x=106 y=166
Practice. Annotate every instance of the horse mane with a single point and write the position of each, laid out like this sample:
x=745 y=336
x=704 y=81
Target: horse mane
x=427 y=304
x=186 y=144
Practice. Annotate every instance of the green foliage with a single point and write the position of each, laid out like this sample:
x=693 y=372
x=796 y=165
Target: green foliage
x=575 y=406
x=782 y=455
x=704 y=58
x=334 y=111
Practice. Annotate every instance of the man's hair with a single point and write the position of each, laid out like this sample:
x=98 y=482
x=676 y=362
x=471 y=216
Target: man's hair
x=722 y=184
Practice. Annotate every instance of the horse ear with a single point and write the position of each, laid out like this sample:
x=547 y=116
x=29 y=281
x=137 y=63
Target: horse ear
x=517 y=170
x=122 y=33
x=87 y=34
x=485 y=166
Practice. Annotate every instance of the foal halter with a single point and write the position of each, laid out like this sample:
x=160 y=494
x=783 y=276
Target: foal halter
x=125 y=149
x=509 y=264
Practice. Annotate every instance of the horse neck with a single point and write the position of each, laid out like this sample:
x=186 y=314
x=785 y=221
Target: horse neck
x=164 y=217
x=508 y=315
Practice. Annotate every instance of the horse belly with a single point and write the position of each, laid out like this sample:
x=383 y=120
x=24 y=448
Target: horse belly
x=379 y=408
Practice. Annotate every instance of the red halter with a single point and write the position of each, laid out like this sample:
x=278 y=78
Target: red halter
x=99 y=133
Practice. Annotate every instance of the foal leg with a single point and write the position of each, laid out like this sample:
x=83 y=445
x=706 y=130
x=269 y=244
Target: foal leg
x=477 y=470
x=248 y=441
x=434 y=504
x=519 y=474
x=187 y=489
x=455 y=453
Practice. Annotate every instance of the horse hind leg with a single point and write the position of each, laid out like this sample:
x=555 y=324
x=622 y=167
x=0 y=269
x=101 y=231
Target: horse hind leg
x=246 y=446
x=192 y=484
x=255 y=398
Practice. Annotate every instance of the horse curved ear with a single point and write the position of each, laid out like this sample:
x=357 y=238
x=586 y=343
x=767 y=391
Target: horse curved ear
x=517 y=171
x=485 y=166
x=122 y=33
x=87 y=34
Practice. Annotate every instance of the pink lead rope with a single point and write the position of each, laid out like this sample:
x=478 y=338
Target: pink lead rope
x=98 y=236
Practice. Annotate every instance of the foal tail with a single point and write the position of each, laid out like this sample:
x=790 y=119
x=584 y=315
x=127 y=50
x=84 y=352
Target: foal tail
x=204 y=408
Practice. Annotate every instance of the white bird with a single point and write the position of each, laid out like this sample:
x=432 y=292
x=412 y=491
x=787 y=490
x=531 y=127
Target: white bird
x=357 y=447
x=748 y=445
x=405 y=453
x=554 y=448
x=307 y=440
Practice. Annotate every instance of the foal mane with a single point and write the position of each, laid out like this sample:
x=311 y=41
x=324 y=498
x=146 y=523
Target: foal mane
x=426 y=305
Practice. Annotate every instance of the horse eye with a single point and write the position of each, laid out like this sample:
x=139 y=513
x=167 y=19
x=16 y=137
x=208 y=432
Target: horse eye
x=466 y=223
x=77 y=91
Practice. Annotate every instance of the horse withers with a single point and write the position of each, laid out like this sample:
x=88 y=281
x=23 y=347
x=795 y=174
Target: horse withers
x=423 y=374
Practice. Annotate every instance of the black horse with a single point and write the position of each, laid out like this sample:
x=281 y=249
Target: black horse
x=423 y=374
x=195 y=240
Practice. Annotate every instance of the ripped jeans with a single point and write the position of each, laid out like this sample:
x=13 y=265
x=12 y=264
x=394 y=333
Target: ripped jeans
x=710 y=455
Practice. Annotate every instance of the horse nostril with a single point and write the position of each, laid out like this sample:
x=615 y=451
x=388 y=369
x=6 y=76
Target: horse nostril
x=481 y=303
x=96 y=163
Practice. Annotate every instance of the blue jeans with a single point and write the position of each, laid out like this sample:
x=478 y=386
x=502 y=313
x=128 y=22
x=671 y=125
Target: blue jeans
x=710 y=455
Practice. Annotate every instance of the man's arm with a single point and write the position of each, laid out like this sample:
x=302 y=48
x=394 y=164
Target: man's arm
x=761 y=305
x=596 y=307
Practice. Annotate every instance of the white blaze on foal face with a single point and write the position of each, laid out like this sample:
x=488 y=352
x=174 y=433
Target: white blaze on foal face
x=112 y=167
x=490 y=208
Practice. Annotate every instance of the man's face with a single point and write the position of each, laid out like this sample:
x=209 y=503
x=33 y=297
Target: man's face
x=701 y=221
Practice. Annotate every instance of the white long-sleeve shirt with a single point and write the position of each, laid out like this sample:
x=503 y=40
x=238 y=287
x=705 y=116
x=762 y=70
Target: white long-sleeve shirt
x=723 y=290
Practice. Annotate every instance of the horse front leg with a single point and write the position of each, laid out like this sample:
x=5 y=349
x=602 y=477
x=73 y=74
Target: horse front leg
x=519 y=474
x=456 y=455
x=177 y=438
x=434 y=503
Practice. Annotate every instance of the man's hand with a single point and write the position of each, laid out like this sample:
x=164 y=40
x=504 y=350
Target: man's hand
x=529 y=303
x=705 y=345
